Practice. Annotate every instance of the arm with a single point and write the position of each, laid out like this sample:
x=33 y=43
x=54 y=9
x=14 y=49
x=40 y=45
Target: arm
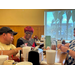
x=59 y=45
x=10 y=52
x=71 y=52
x=64 y=49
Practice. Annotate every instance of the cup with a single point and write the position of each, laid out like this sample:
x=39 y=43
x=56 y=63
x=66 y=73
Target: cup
x=53 y=47
x=24 y=63
x=3 y=58
x=25 y=52
x=50 y=56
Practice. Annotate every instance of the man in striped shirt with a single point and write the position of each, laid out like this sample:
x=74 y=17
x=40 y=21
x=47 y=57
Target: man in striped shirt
x=70 y=49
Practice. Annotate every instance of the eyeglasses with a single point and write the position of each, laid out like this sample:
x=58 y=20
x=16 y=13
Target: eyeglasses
x=29 y=33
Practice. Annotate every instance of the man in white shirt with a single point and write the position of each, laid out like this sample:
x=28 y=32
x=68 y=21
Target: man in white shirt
x=6 y=38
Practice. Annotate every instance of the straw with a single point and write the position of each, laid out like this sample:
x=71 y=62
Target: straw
x=20 y=55
x=2 y=52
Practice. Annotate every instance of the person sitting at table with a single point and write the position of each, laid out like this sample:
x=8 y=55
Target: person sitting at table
x=70 y=49
x=6 y=38
x=27 y=38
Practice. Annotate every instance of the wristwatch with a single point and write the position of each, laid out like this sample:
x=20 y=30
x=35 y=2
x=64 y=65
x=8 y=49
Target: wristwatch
x=68 y=50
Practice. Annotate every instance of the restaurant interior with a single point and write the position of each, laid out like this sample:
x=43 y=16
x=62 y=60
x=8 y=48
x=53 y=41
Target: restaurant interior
x=41 y=20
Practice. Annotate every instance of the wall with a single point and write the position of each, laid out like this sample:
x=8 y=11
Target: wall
x=17 y=19
x=22 y=16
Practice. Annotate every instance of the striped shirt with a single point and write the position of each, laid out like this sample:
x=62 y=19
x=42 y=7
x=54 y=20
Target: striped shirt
x=21 y=42
x=71 y=60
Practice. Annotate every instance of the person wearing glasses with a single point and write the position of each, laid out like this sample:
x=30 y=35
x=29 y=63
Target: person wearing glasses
x=27 y=40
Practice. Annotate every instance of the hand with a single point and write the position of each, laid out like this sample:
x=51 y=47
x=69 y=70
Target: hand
x=67 y=45
x=32 y=48
x=64 y=49
x=18 y=48
x=59 y=46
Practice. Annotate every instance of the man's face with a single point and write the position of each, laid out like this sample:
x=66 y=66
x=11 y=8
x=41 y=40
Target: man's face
x=28 y=35
x=8 y=38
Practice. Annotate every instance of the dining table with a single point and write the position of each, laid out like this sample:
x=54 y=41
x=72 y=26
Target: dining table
x=60 y=56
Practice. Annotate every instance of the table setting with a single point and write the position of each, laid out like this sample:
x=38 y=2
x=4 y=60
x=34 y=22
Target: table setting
x=43 y=56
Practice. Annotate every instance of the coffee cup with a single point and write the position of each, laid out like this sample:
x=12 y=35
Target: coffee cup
x=50 y=56
x=25 y=52
x=3 y=58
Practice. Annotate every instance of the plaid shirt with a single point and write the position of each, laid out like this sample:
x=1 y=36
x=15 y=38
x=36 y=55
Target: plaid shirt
x=70 y=60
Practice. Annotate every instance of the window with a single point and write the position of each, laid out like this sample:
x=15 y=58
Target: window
x=59 y=24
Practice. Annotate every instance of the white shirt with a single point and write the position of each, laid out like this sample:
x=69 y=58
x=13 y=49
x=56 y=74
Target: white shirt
x=6 y=47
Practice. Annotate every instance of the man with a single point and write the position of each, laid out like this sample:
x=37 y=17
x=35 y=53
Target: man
x=70 y=49
x=6 y=38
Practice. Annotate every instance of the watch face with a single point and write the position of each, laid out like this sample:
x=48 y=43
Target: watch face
x=67 y=51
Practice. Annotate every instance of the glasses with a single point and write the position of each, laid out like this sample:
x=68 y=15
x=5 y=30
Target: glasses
x=29 y=33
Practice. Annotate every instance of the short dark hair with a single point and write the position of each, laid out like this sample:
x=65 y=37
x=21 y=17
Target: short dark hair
x=74 y=28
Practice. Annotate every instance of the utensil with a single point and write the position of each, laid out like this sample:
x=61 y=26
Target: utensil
x=20 y=55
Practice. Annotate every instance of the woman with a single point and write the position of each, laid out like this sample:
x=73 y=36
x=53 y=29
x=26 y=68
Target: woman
x=26 y=39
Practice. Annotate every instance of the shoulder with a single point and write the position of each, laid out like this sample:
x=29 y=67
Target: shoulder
x=20 y=38
x=1 y=44
x=32 y=40
x=20 y=41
